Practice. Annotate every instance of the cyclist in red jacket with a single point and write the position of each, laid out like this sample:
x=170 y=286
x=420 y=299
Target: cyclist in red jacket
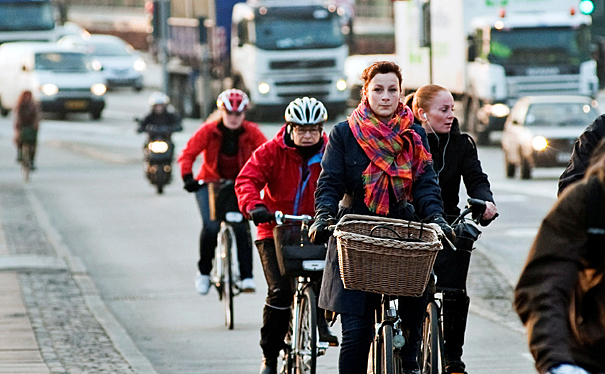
x=225 y=144
x=286 y=169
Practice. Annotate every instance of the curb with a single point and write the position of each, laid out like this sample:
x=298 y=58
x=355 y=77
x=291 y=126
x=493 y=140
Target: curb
x=116 y=332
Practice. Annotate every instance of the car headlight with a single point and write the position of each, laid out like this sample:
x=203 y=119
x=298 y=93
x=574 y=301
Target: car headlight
x=158 y=146
x=96 y=65
x=341 y=85
x=264 y=88
x=98 y=89
x=49 y=89
x=499 y=110
x=139 y=65
x=539 y=143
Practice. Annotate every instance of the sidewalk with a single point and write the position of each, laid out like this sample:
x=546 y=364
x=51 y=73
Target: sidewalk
x=52 y=319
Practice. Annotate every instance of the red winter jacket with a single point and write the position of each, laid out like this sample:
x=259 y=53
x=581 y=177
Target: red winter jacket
x=207 y=140
x=276 y=168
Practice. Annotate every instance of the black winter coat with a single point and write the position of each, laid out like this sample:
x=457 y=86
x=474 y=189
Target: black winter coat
x=342 y=165
x=582 y=150
x=455 y=159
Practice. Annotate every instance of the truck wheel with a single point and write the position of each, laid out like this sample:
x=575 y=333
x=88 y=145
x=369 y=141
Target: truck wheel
x=525 y=169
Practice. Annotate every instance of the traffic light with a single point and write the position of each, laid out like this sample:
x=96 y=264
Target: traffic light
x=586 y=6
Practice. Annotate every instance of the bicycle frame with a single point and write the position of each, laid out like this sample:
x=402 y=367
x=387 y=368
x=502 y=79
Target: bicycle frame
x=298 y=359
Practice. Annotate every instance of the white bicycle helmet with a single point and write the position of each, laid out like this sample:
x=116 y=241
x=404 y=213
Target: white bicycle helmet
x=306 y=111
x=158 y=98
x=233 y=100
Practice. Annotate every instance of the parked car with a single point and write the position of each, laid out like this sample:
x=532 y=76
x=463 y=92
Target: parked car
x=62 y=80
x=120 y=63
x=540 y=131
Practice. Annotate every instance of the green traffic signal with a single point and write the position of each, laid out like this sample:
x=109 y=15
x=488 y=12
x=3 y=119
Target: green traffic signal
x=586 y=7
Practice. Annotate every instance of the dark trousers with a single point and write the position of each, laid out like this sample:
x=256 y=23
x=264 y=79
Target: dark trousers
x=455 y=313
x=358 y=331
x=208 y=239
x=280 y=291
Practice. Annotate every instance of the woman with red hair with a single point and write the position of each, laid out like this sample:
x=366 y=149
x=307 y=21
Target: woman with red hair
x=27 y=121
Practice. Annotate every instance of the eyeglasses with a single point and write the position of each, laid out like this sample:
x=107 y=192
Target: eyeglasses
x=229 y=113
x=313 y=130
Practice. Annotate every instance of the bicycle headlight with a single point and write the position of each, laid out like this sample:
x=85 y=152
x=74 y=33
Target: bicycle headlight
x=158 y=146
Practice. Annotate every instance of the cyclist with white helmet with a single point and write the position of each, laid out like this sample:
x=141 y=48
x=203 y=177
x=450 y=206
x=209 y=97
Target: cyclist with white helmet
x=286 y=169
x=160 y=114
x=225 y=144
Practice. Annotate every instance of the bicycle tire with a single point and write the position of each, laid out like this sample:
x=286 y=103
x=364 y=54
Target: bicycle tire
x=431 y=341
x=228 y=281
x=386 y=349
x=25 y=161
x=306 y=344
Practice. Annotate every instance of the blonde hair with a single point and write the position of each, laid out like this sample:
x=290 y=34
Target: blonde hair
x=424 y=97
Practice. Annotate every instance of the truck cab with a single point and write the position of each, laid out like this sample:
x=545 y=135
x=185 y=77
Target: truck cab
x=26 y=20
x=282 y=50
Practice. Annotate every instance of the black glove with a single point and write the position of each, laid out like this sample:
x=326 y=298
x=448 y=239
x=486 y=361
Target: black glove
x=261 y=214
x=319 y=232
x=191 y=185
x=445 y=227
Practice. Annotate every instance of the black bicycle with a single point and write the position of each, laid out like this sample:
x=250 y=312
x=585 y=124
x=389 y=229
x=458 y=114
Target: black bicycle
x=431 y=357
x=304 y=262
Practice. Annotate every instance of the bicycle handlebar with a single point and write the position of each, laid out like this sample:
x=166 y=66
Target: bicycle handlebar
x=282 y=218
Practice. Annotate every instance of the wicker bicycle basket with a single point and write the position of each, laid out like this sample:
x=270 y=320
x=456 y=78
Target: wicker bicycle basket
x=384 y=255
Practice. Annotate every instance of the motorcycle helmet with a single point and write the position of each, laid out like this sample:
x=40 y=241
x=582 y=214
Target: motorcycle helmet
x=233 y=100
x=306 y=111
x=158 y=98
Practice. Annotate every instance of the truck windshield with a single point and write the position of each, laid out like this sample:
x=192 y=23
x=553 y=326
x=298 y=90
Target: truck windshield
x=26 y=16
x=61 y=62
x=545 y=46
x=306 y=30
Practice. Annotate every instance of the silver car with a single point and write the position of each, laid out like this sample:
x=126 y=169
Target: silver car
x=540 y=131
x=120 y=63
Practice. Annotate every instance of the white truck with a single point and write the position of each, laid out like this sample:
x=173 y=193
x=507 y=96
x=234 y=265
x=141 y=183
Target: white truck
x=489 y=53
x=26 y=20
x=285 y=49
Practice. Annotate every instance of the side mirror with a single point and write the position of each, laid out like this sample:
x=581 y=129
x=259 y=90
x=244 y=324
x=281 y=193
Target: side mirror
x=24 y=68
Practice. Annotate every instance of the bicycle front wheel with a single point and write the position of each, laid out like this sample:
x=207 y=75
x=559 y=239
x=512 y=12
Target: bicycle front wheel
x=228 y=281
x=386 y=350
x=306 y=344
x=431 y=338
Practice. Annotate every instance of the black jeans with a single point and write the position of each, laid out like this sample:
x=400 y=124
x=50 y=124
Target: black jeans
x=208 y=239
x=358 y=331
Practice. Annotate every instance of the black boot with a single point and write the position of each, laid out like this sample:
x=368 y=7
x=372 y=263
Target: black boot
x=268 y=366
x=325 y=335
x=455 y=313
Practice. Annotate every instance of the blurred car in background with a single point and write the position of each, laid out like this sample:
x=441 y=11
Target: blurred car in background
x=61 y=80
x=120 y=63
x=71 y=28
x=540 y=131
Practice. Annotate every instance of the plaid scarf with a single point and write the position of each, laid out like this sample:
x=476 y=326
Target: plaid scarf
x=397 y=155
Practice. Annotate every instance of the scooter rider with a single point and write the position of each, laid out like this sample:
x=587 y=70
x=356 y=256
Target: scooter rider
x=225 y=144
x=160 y=114
x=285 y=169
